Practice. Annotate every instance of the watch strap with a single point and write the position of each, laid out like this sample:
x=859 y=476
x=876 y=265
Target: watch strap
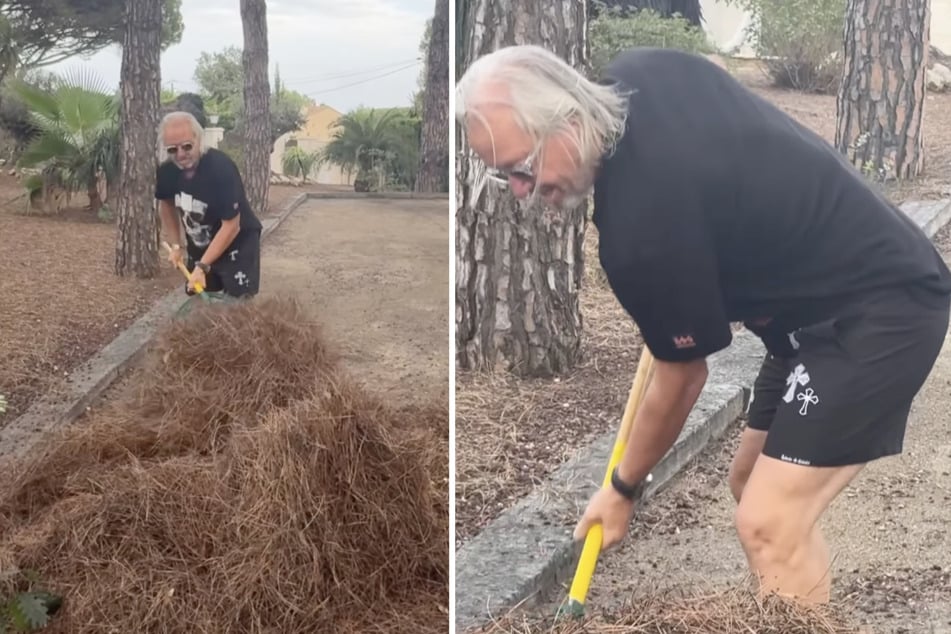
x=632 y=492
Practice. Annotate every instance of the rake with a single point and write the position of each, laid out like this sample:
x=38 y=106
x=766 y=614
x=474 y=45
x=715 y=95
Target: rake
x=588 y=560
x=181 y=267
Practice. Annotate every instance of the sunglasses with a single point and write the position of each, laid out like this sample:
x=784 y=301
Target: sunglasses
x=502 y=176
x=523 y=172
x=173 y=149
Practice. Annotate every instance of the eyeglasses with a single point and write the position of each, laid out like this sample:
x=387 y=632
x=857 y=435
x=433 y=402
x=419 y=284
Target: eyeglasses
x=173 y=149
x=523 y=171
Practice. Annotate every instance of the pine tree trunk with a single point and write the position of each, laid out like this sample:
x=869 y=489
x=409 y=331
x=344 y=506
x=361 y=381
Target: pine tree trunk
x=137 y=224
x=881 y=99
x=434 y=145
x=518 y=273
x=257 y=104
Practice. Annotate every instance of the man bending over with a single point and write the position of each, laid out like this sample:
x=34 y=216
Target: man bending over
x=200 y=189
x=712 y=207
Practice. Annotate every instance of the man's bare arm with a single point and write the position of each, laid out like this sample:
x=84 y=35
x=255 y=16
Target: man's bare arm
x=171 y=226
x=668 y=399
x=223 y=238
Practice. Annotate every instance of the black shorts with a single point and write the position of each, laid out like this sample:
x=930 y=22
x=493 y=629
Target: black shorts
x=845 y=395
x=237 y=272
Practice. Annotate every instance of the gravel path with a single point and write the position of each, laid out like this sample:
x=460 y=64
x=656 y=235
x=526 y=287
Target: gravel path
x=376 y=272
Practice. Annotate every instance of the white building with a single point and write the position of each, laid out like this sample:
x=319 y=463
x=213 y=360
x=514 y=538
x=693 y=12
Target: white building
x=725 y=25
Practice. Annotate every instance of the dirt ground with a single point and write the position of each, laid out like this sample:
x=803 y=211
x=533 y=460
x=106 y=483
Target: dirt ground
x=377 y=272
x=61 y=300
x=888 y=531
x=511 y=434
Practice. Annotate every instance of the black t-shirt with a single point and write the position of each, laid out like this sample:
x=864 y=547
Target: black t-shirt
x=716 y=207
x=213 y=193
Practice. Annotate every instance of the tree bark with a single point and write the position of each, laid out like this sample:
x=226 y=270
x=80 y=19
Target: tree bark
x=137 y=235
x=518 y=272
x=433 y=173
x=881 y=99
x=257 y=104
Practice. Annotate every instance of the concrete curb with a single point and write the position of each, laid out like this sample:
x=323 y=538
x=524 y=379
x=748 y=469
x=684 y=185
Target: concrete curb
x=529 y=549
x=930 y=215
x=67 y=402
x=380 y=195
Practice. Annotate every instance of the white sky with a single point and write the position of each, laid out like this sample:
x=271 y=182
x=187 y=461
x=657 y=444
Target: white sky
x=322 y=46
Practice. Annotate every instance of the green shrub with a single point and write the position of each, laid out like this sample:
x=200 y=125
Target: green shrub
x=24 y=605
x=800 y=41
x=232 y=144
x=299 y=163
x=617 y=29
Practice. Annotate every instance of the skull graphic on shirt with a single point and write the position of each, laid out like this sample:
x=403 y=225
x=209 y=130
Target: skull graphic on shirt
x=193 y=215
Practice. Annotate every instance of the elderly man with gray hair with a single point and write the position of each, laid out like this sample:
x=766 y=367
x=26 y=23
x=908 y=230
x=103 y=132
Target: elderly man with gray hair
x=199 y=189
x=713 y=206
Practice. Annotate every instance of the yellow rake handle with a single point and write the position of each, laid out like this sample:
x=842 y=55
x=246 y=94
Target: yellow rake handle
x=181 y=267
x=592 y=543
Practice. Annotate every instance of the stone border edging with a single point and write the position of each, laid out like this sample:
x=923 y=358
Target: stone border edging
x=528 y=549
x=380 y=195
x=68 y=401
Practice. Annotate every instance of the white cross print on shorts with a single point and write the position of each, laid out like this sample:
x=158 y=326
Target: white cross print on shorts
x=799 y=377
x=808 y=398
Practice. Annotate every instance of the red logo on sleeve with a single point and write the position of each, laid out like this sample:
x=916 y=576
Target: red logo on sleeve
x=684 y=341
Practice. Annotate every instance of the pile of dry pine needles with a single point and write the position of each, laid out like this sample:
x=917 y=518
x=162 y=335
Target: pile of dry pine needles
x=246 y=484
x=682 y=611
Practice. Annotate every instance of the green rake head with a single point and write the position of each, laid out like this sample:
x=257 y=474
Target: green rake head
x=218 y=297
x=570 y=610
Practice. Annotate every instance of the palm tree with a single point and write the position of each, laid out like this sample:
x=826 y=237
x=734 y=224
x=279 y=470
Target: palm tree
x=78 y=139
x=361 y=142
x=299 y=162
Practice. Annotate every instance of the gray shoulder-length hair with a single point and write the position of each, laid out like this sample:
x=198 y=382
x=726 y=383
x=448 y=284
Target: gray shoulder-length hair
x=174 y=117
x=548 y=96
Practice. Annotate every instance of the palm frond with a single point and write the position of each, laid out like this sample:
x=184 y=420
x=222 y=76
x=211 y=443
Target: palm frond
x=83 y=78
x=78 y=120
x=50 y=145
x=41 y=104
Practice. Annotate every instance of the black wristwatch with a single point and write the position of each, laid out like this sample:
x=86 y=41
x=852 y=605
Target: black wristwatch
x=632 y=492
x=204 y=267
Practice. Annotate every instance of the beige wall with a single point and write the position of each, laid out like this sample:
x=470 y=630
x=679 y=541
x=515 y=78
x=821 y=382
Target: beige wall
x=326 y=174
x=725 y=24
x=941 y=25
x=320 y=122
x=211 y=137
x=316 y=132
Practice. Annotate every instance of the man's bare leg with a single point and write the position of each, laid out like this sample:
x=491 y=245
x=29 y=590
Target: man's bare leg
x=751 y=446
x=777 y=523
x=748 y=451
x=821 y=559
